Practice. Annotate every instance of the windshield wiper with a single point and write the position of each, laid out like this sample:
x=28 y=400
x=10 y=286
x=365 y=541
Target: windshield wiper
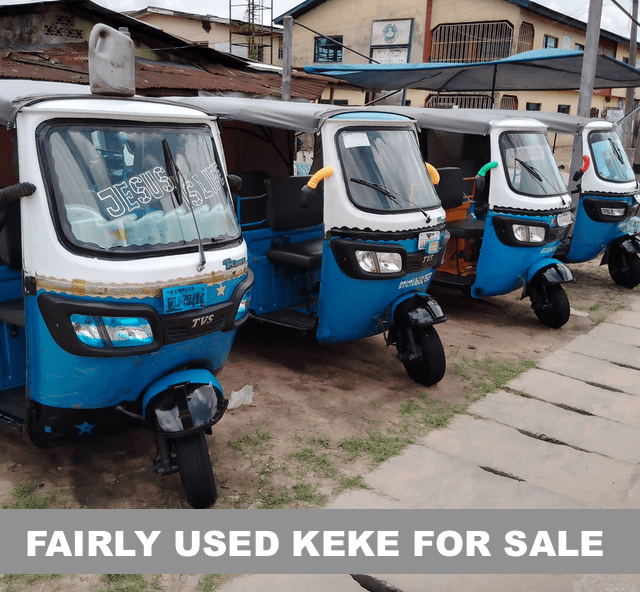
x=539 y=177
x=392 y=195
x=616 y=151
x=176 y=178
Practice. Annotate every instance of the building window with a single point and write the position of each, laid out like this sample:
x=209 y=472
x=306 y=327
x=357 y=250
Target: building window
x=341 y=102
x=550 y=42
x=280 y=53
x=464 y=101
x=509 y=102
x=325 y=50
x=564 y=109
x=525 y=37
x=472 y=42
x=534 y=106
x=579 y=47
x=64 y=27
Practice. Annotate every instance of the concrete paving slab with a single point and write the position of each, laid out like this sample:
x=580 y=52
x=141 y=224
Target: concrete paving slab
x=366 y=499
x=593 y=371
x=563 y=390
x=425 y=478
x=605 y=350
x=591 y=478
x=590 y=433
x=511 y=583
x=617 y=333
x=628 y=318
x=292 y=583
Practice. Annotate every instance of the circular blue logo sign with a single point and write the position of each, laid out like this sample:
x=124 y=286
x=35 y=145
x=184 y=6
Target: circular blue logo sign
x=390 y=33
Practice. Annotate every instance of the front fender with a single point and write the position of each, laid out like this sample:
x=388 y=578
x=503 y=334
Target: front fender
x=626 y=243
x=183 y=402
x=416 y=309
x=547 y=271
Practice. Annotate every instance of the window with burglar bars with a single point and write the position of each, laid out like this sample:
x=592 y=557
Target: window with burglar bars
x=525 y=37
x=471 y=42
x=463 y=101
x=325 y=50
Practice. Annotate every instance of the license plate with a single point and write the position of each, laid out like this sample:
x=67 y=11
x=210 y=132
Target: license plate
x=429 y=241
x=181 y=298
x=564 y=219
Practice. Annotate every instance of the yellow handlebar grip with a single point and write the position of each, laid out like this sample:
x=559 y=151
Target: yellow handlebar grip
x=433 y=173
x=323 y=173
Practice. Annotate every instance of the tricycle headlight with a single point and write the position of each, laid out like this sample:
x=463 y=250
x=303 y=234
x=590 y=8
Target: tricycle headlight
x=613 y=212
x=107 y=332
x=529 y=234
x=379 y=261
x=243 y=309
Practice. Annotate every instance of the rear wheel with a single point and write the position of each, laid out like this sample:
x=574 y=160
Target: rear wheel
x=196 y=471
x=624 y=269
x=430 y=367
x=551 y=305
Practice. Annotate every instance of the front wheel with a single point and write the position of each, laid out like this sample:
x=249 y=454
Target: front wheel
x=430 y=367
x=195 y=469
x=551 y=305
x=624 y=269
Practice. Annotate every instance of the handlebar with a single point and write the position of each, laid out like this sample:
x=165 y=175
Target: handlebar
x=14 y=192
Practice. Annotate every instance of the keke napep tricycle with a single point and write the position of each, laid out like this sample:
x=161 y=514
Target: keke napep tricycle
x=507 y=206
x=608 y=197
x=350 y=257
x=120 y=292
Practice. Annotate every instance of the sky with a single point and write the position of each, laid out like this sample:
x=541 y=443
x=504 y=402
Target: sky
x=613 y=19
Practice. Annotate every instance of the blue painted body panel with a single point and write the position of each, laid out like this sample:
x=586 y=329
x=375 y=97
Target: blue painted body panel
x=59 y=379
x=13 y=362
x=351 y=309
x=591 y=237
x=277 y=286
x=501 y=268
x=347 y=308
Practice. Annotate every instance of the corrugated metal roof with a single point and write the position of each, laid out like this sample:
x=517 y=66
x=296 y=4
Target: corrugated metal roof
x=70 y=64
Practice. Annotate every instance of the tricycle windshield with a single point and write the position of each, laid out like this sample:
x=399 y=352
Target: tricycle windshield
x=529 y=164
x=112 y=194
x=609 y=158
x=389 y=158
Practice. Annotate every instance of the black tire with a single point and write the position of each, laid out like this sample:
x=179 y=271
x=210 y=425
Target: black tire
x=196 y=471
x=555 y=311
x=430 y=368
x=624 y=269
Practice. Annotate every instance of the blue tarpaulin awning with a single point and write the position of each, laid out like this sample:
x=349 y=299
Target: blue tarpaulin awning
x=541 y=69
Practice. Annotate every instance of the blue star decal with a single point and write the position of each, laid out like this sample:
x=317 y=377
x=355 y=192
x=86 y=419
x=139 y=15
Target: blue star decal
x=85 y=428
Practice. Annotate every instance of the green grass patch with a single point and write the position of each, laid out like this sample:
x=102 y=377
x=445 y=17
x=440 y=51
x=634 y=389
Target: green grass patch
x=27 y=496
x=125 y=583
x=209 y=582
x=19 y=582
x=488 y=375
x=305 y=492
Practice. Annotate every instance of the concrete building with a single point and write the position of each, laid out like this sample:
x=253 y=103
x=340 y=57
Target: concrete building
x=260 y=42
x=445 y=31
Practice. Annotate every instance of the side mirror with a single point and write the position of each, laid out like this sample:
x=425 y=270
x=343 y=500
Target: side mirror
x=235 y=183
x=433 y=173
x=480 y=181
x=309 y=190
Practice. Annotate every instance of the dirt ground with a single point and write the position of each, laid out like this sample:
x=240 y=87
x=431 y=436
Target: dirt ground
x=315 y=408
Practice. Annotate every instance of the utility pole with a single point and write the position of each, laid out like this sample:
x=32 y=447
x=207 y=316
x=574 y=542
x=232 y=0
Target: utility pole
x=628 y=103
x=589 y=60
x=287 y=57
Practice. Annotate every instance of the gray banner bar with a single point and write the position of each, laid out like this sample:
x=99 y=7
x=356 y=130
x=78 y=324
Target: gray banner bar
x=320 y=541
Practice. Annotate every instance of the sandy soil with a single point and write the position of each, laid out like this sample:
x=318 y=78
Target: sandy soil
x=307 y=396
